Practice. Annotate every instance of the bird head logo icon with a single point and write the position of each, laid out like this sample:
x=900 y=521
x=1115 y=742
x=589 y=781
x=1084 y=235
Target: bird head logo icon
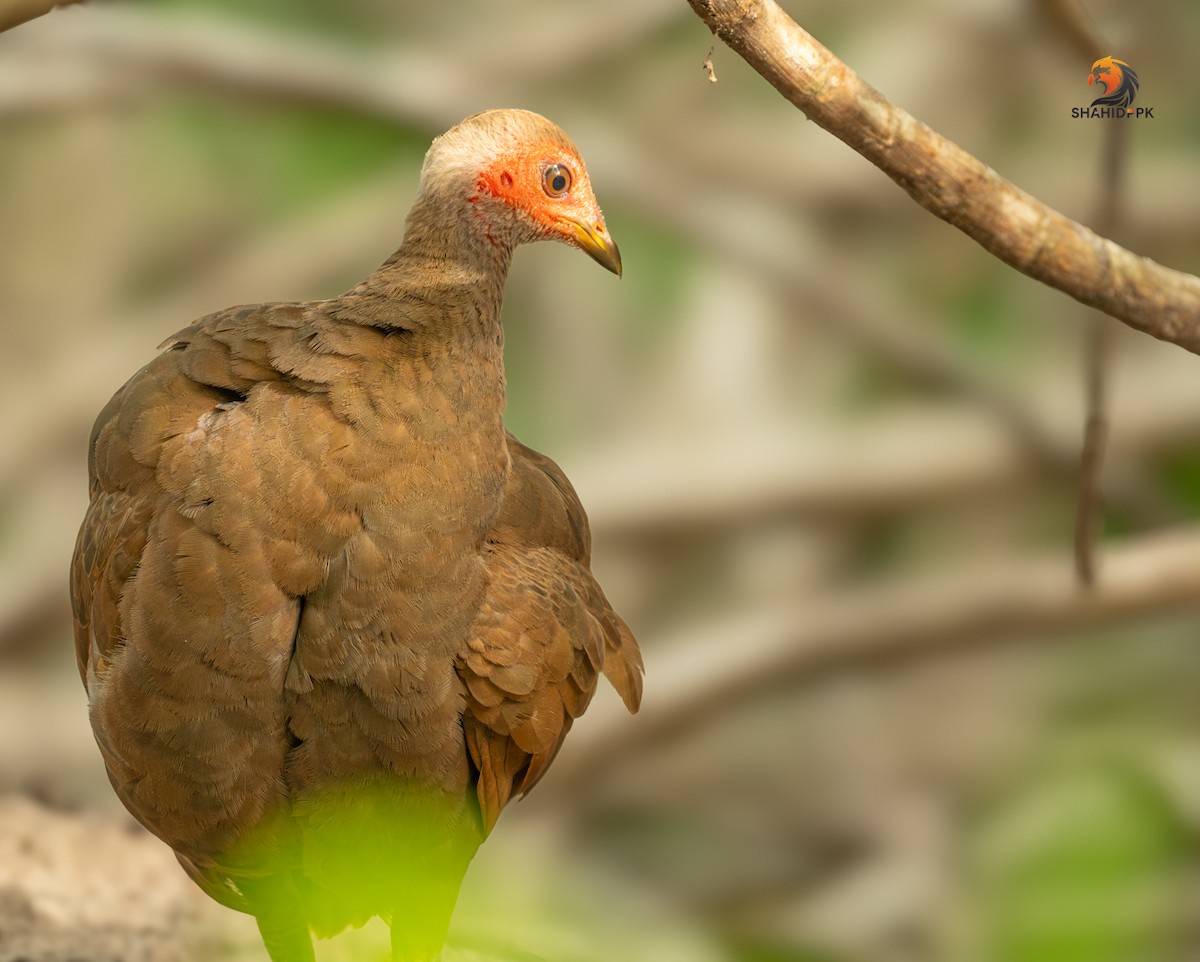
x=1119 y=80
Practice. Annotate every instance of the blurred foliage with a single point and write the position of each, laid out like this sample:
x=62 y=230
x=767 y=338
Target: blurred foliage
x=357 y=20
x=764 y=950
x=1180 y=473
x=1085 y=865
x=281 y=159
x=894 y=812
x=273 y=163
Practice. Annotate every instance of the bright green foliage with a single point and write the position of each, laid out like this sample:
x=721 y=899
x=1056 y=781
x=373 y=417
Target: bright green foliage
x=1082 y=867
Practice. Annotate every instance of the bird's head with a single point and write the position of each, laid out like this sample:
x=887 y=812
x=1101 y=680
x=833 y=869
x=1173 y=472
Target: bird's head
x=513 y=177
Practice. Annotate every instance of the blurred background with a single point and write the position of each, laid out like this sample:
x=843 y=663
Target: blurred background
x=827 y=445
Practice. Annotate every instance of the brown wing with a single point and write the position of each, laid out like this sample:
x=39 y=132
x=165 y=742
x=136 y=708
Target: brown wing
x=543 y=635
x=198 y=373
x=123 y=453
x=107 y=551
x=183 y=620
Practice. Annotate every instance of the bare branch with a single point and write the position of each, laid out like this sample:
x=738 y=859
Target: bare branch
x=96 y=57
x=105 y=49
x=777 y=471
x=947 y=181
x=716 y=667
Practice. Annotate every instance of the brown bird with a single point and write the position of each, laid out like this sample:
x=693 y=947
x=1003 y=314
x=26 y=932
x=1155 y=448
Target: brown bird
x=330 y=616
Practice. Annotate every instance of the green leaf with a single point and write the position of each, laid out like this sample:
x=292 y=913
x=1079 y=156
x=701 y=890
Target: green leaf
x=1082 y=866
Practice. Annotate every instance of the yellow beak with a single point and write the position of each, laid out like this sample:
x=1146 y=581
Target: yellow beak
x=598 y=243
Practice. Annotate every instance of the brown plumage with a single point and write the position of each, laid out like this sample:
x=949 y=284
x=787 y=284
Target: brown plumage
x=330 y=616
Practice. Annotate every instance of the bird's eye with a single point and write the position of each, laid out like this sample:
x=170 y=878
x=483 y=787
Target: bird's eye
x=556 y=180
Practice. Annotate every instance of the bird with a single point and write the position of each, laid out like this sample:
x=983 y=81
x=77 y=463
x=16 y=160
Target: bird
x=330 y=615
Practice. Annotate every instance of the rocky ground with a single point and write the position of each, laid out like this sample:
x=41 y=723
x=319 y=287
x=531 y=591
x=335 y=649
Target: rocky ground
x=95 y=887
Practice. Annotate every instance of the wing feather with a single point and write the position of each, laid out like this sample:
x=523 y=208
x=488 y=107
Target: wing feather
x=542 y=637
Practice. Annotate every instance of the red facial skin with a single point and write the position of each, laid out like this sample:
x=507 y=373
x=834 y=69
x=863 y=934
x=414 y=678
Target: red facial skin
x=574 y=217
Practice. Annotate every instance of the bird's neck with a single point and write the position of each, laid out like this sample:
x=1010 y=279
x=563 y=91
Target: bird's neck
x=443 y=378
x=451 y=269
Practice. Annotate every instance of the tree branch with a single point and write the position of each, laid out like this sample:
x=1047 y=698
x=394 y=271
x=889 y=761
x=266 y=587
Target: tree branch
x=722 y=665
x=947 y=181
x=710 y=482
x=13 y=13
x=404 y=83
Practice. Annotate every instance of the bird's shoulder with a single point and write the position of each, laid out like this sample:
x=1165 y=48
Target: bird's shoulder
x=540 y=507
x=219 y=362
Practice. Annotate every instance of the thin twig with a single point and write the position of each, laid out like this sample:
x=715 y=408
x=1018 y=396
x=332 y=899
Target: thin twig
x=949 y=182
x=1076 y=27
x=1097 y=361
x=1072 y=22
x=1089 y=504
